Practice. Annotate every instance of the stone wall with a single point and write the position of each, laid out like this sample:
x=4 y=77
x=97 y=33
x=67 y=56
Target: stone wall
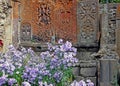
x=5 y=24
x=89 y=31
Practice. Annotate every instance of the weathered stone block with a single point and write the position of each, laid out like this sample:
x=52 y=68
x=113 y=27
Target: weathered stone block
x=84 y=55
x=108 y=71
x=88 y=71
x=87 y=64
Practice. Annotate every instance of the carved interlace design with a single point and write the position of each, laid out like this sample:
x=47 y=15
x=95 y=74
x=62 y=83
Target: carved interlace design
x=87 y=17
x=44 y=14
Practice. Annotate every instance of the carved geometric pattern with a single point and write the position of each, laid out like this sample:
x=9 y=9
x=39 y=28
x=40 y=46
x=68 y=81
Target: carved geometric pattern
x=44 y=14
x=87 y=22
x=25 y=32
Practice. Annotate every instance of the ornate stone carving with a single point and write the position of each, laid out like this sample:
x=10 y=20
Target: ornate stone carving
x=87 y=18
x=44 y=14
x=25 y=32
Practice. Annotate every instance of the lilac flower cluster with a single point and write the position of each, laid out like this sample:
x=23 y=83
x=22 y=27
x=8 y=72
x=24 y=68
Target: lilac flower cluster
x=45 y=84
x=58 y=76
x=59 y=58
x=3 y=80
x=12 y=81
x=24 y=67
x=7 y=67
x=30 y=74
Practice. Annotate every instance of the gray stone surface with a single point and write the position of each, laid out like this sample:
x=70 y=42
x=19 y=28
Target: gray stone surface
x=84 y=55
x=88 y=72
x=108 y=71
x=88 y=64
x=86 y=22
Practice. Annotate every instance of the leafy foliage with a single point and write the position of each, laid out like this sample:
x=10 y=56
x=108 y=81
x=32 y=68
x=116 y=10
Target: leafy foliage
x=109 y=1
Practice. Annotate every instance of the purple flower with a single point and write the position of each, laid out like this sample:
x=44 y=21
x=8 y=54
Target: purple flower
x=12 y=81
x=50 y=46
x=89 y=83
x=75 y=83
x=63 y=48
x=58 y=76
x=3 y=80
x=26 y=84
x=40 y=83
x=30 y=74
x=11 y=48
x=82 y=83
x=42 y=66
x=24 y=50
x=60 y=41
x=45 y=55
x=31 y=52
x=68 y=44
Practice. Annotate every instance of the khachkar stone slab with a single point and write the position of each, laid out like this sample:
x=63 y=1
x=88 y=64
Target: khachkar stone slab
x=87 y=16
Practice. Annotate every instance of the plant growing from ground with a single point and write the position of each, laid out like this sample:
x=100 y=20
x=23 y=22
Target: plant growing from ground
x=24 y=66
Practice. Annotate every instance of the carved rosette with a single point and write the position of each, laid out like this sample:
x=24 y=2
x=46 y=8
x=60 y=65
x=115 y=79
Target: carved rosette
x=87 y=22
